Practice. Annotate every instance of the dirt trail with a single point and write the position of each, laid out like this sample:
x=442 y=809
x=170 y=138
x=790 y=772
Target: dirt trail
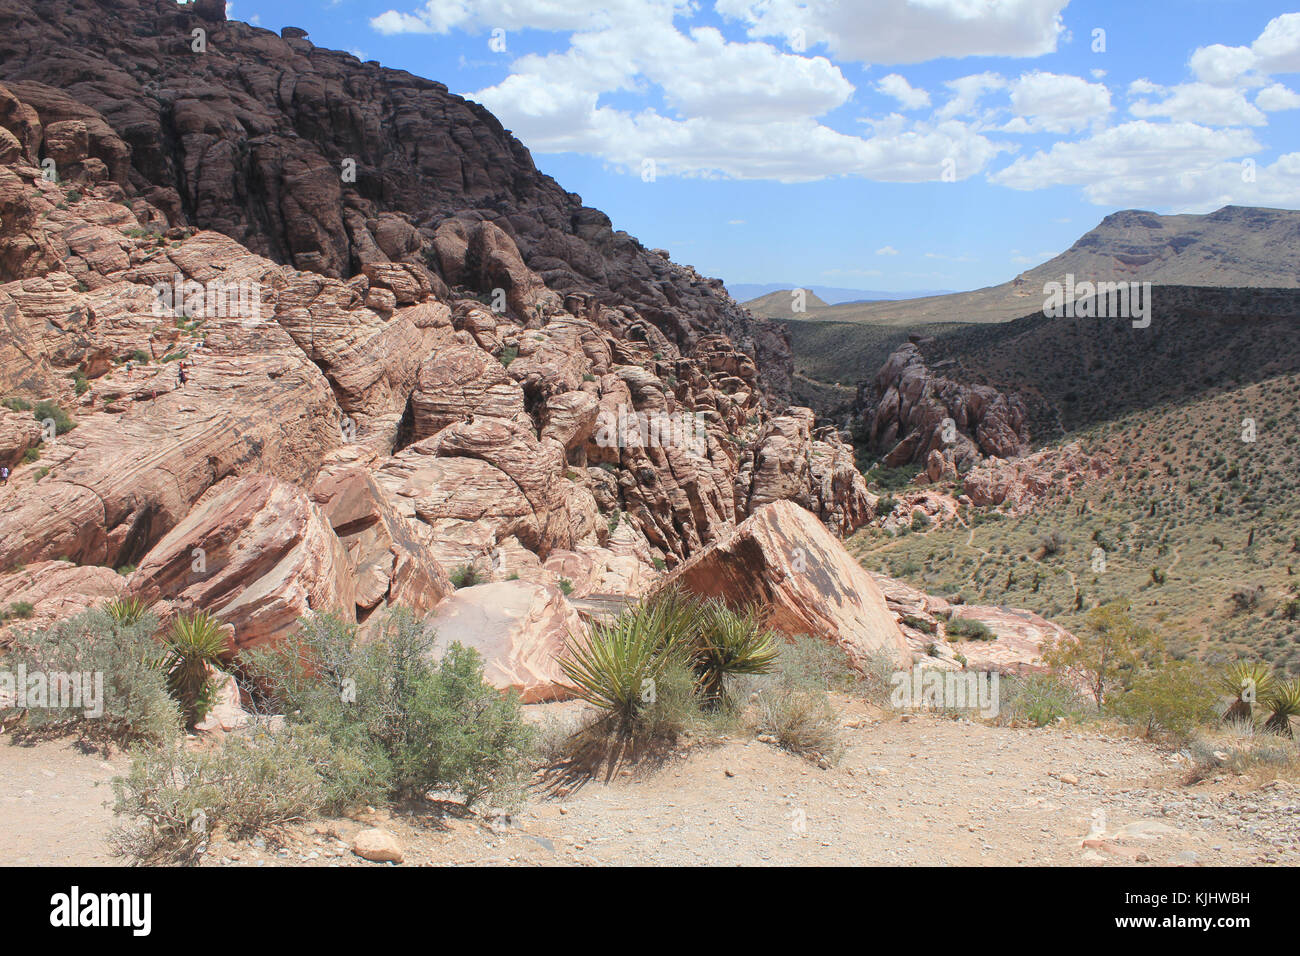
x=55 y=804
x=924 y=790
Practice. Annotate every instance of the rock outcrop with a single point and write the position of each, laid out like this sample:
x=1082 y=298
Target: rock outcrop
x=258 y=554
x=520 y=629
x=911 y=414
x=785 y=559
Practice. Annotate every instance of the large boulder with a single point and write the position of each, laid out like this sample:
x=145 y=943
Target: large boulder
x=389 y=557
x=255 y=552
x=785 y=558
x=911 y=411
x=57 y=590
x=519 y=628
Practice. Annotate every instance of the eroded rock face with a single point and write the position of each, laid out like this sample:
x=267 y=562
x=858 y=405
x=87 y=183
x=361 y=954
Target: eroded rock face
x=785 y=558
x=258 y=554
x=255 y=132
x=519 y=628
x=1022 y=483
x=908 y=405
x=365 y=417
x=388 y=555
x=56 y=590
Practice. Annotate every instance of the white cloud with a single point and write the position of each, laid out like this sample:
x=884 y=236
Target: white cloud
x=1278 y=47
x=1182 y=166
x=907 y=31
x=1221 y=65
x=475 y=16
x=886 y=251
x=967 y=92
x=1056 y=103
x=1203 y=103
x=742 y=110
x=1275 y=50
x=1277 y=97
x=910 y=97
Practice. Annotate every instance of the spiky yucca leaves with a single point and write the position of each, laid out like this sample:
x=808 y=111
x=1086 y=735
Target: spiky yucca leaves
x=195 y=644
x=616 y=668
x=1283 y=702
x=731 y=642
x=1247 y=682
x=126 y=611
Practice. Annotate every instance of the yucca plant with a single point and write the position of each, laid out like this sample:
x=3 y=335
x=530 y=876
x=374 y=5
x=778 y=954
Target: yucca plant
x=126 y=611
x=617 y=667
x=195 y=644
x=731 y=642
x=1283 y=702
x=1247 y=682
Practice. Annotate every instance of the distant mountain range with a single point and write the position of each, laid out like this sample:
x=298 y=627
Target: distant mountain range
x=1237 y=246
x=744 y=292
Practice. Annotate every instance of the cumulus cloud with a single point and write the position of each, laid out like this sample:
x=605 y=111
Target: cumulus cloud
x=906 y=31
x=1277 y=97
x=1203 y=103
x=906 y=94
x=738 y=109
x=1166 y=165
x=1056 y=103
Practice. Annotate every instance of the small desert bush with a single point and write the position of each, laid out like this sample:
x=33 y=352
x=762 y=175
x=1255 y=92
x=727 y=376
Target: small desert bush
x=1239 y=747
x=465 y=576
x=172 y=798
x=1038 y=700
x=136 y=704
x=968 y=629
x=418 y=726
x=792 y=704
x=48 y=410
x=1175 y=697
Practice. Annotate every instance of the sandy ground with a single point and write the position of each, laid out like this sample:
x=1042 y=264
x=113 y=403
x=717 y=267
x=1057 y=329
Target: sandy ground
x=925 y=790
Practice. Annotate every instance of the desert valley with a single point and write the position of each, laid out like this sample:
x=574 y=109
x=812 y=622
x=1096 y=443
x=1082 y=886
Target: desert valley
x=370 y=500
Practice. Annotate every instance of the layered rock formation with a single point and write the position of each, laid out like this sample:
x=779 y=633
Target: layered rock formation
x=914 y=416
x=782 y=558
x=384 y=386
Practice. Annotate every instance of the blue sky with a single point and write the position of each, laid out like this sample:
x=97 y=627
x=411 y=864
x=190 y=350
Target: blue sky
x=876 y=144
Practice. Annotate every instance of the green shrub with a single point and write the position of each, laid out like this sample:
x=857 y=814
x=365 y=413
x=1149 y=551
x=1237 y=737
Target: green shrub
x=920 y=624
x=31 y=455
x=15 y=404
x=509 y=354
x=195 y=644
x=171 y=798
x=417 y=726
x=466 y=576
x=886 y=505
x=136 y=705
x=968 y=629
x=1175 y=697
x=18 y=611
x=49 y=411
x=566 y=586
x=1038 y=700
